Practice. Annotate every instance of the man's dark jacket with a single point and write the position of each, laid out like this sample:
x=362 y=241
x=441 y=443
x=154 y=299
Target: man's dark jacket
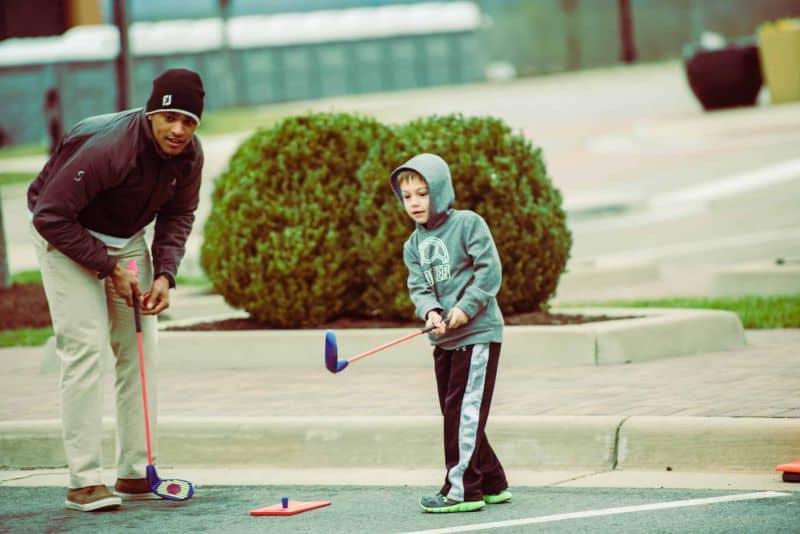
x=107 y=175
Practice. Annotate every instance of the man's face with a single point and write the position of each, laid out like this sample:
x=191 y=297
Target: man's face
x=172 y=131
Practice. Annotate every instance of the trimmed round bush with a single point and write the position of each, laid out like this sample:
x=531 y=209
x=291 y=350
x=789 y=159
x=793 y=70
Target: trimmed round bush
x=497 y=174
x=278 y=242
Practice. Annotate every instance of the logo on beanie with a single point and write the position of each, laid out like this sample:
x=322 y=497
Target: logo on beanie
x=177 y=90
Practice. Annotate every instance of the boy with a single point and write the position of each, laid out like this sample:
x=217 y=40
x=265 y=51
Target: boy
x=454 y=274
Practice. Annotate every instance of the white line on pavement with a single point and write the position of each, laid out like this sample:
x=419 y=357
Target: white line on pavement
x=739 y=183
x=606 y=511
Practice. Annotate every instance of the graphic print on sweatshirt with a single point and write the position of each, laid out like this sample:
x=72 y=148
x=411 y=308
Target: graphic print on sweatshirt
x=435 y=260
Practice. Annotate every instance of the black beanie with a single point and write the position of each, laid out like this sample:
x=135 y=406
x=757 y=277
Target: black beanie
x=178 y=90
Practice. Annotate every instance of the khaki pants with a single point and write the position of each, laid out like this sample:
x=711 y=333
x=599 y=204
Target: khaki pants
x=88 y=319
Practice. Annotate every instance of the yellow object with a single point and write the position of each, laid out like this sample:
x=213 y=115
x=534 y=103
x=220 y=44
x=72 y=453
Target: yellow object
x=84 y=12
x=779 y=49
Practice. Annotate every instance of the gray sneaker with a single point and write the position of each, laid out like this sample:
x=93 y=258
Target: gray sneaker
x=91 y=498
x=441 y=504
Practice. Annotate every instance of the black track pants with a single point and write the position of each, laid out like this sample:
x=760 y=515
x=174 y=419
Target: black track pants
x=465 y=379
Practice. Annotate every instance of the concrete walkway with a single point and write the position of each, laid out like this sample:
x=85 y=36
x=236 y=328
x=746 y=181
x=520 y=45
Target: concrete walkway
x=758 y=380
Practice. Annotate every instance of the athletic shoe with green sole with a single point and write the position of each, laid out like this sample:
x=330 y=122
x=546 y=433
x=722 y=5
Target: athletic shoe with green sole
x=441 y=504
x=503 y=496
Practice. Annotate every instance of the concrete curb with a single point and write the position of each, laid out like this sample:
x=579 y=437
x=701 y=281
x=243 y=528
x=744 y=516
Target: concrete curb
x=711 y=443
x=757 y=278
x=536 y=443
x=656 y=333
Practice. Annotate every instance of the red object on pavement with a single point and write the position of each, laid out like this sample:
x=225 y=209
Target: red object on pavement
x=294 y=507
x=791 y=471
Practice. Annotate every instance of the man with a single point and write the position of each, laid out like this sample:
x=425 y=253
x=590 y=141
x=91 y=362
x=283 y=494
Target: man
x=110 y=177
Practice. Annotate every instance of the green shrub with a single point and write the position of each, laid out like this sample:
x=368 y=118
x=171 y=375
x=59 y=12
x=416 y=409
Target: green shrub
x=279 y=239
x=304 y=227
x=497 y=174
x=379 y=246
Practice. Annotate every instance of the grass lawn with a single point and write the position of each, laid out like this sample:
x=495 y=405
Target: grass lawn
x=233 y=120
x=224 y=121
x=781 y=311
x=8 y=178
x=25 y=337
x=19 y=151
x=27 y=277
x=194 y=281
x=229 y=120
x=35 y=277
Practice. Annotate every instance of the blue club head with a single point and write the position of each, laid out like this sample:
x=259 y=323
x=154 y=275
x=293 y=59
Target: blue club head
x=172 y=489
x=332 y=362
x=152 y=476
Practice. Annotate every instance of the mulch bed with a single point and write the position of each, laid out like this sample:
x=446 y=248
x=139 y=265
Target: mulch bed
x=530 y=318
x=25 y=306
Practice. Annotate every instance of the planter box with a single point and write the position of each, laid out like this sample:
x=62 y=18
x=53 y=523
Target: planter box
x=724 y=78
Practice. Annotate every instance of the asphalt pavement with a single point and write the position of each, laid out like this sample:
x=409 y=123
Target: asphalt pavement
x=392 y=509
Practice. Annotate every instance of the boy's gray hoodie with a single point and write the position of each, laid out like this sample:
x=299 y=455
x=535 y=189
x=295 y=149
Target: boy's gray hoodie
x=452 y=260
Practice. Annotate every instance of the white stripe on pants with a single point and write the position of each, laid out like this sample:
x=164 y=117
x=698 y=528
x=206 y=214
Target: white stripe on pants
x=88 y=320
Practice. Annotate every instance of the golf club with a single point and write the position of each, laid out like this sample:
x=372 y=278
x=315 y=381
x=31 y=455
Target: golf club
x=172 y=489
x=334 y=364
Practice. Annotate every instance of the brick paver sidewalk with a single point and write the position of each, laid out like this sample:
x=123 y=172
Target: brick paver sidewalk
x=758 y=380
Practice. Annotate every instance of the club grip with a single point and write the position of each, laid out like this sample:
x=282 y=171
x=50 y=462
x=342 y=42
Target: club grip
x=135 y=269
x=431 y=327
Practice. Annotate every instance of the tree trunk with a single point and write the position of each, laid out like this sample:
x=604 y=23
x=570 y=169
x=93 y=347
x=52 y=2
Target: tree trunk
x=627 y=38
x=122 y=65
x=5 y=276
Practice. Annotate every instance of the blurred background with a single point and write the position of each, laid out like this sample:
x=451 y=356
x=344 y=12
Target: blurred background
x=670 y=127
x=254 y=52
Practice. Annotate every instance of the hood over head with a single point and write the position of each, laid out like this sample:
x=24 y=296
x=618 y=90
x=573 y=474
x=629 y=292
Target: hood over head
x=440 y=184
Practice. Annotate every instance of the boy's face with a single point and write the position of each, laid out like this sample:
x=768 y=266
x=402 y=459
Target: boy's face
x=416 y=199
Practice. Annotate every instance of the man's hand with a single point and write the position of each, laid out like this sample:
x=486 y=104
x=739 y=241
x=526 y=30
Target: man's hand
x=157 y=299
x=456 y=318
x=125 y=283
